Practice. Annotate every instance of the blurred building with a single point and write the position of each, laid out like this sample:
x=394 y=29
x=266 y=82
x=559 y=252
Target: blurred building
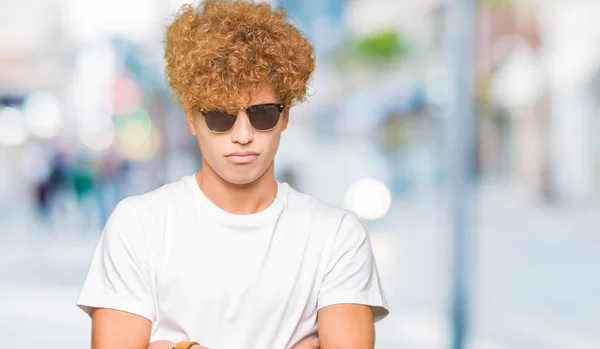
x=86 y=119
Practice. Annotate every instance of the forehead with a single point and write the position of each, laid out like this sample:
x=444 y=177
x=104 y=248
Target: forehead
x=244 y=99
x=231 y=100
x=264 y=94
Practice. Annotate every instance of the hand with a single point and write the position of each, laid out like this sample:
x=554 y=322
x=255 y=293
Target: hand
x=170 y=345
x=309 y=344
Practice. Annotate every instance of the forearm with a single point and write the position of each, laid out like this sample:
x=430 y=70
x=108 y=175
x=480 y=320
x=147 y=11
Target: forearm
x=308 y=344
x=161 y=345
x=168 y=345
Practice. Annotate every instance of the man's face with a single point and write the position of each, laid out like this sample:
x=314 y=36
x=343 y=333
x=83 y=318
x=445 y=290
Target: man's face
x=243 y=154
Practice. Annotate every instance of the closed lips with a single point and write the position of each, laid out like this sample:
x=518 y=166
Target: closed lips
x=241 y=154
x=242 y=158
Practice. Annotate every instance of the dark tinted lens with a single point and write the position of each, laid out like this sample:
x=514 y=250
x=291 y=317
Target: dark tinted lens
x=264 y=117
x=219 y=121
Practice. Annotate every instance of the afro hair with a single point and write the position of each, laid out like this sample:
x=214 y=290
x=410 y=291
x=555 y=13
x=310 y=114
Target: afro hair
x=217 y=55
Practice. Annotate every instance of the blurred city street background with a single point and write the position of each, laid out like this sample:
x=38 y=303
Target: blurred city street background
x=86 y=119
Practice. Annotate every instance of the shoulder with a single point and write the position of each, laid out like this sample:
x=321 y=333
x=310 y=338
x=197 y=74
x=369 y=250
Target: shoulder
x=323 y=216
x=157 y=205
x=298 y=201
x=147 y=211
x=159 y=199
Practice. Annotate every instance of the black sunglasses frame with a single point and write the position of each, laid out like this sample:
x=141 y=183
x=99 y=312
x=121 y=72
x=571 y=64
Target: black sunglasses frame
x=248 y=112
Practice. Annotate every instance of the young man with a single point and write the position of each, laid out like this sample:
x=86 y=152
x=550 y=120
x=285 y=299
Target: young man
x=229 y=257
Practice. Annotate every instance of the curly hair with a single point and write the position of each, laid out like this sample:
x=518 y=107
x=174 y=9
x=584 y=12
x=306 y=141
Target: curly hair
x=218 y=55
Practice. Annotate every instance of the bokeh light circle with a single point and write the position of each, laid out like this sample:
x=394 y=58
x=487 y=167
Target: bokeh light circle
x=368 y=198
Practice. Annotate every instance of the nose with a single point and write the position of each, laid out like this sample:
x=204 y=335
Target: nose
x=242 y=131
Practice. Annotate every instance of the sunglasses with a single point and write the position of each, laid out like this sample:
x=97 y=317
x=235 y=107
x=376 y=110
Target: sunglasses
x=263 y=117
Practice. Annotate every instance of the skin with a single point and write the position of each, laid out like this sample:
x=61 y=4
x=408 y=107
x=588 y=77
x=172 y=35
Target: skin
x=238 y=189
x=118 y=329
x=346 y=326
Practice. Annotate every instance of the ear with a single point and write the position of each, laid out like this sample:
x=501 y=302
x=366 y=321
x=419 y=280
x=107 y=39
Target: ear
x=189 y=119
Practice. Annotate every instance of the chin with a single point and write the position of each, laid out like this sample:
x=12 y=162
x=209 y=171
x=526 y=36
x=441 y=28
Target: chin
x=240 y=181
x=242 y=178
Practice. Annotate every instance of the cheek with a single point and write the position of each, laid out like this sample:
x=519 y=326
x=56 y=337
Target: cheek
x=272 y=144
x=210 y=144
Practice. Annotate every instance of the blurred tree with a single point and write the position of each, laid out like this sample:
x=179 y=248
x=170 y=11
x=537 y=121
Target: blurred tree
x=376 y=50
x=383 y=45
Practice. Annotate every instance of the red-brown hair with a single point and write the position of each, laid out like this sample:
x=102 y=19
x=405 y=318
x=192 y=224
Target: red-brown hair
x=218 y=54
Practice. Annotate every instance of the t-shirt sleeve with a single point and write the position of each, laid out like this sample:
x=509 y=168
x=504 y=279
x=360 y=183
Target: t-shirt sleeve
x=351 y=275
x=119 y=276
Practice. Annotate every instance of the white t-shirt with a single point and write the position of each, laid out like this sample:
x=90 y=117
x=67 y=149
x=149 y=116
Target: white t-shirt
x=231 y=281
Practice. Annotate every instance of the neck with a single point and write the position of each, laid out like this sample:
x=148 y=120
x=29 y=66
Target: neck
x=238 y=198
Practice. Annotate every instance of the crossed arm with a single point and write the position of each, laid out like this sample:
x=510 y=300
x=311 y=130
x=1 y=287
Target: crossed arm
x=347 y=326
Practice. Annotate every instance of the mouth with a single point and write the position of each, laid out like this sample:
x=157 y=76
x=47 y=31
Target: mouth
x=242 y=158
